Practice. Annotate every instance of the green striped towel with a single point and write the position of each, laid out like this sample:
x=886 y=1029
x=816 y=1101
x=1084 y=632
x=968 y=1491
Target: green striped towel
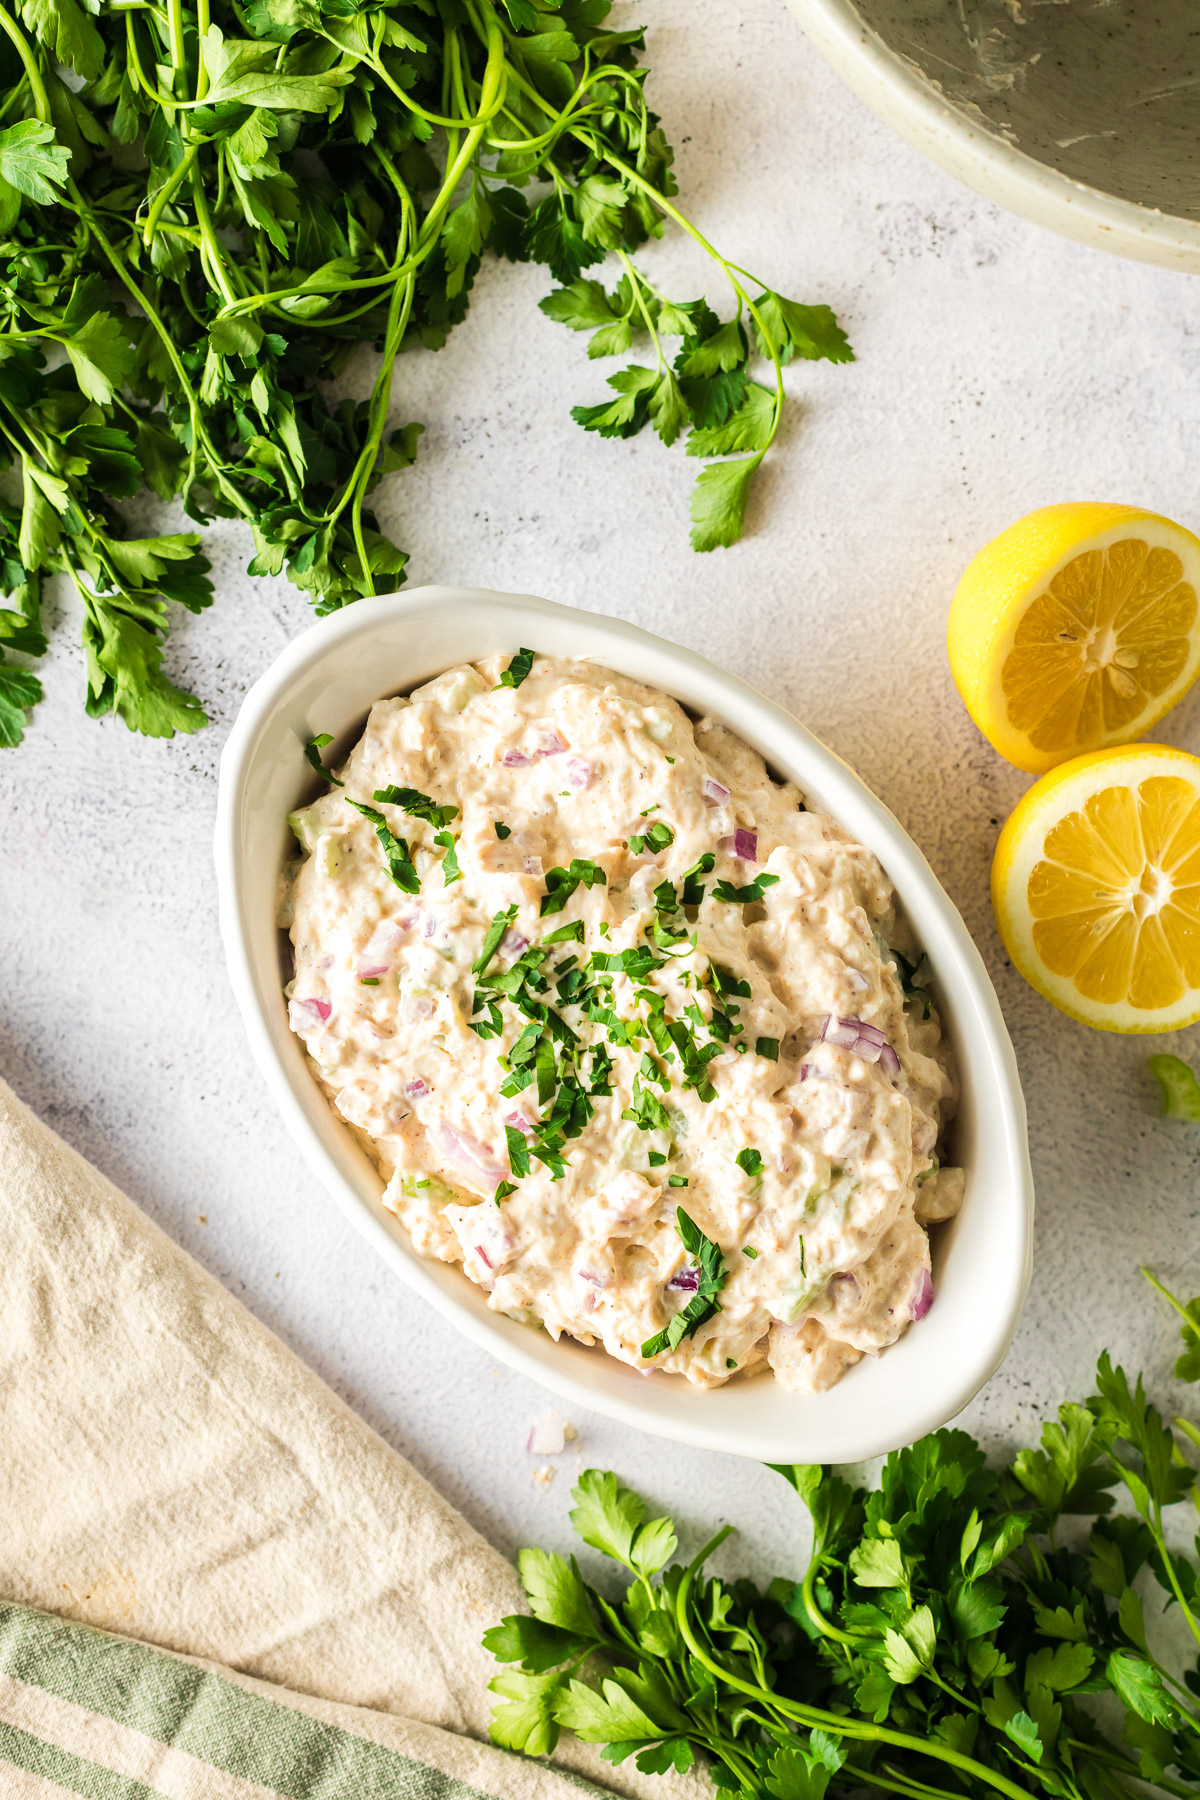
x=172 y=1474
x=83 y=1712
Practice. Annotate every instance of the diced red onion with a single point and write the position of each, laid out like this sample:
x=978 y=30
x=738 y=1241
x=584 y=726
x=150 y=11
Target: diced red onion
x=857 y=979
x=379 y=1031
x=514 y=759
x=365 y=974
x=520 y=1123
x=304 y=1014
x=512 y=943
x=547 y=1436
x=472 y=1157
x=841 y=1032
x=600 y=1281
x=326 y=962
x=686 y=1282
x=745 y=845
x=431 y=925
x=389 y=934
x=416 y=1088
x=871 y=1032
x=715 y=792
x=481 y=1253
x=418 y=1006
x=578 y=773
x=889 y=1061
x=924 y=1296
x=804 y=1071
x=866 y=1041
x=551 y=744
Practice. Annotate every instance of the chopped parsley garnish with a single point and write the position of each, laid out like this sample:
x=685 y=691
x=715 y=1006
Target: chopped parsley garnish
x=312 y=755
x=518 y=1151
x=692 y=892
x=491 y=942
x=504 y=1190
x=517 y=669
x=368 y=981
x=647 y=1112
x=657 y=1159
x=416 y=804
x=450 y=869
x=750 y=1161
x=710 y=1265
x=750 y=1251
x=768 y=1047
x=561 y=883
x=501 y=830
x=744 y=896
x=395 y=850
x=563 y=934
x=726 y=982
x=908 y=971
x=657 y=837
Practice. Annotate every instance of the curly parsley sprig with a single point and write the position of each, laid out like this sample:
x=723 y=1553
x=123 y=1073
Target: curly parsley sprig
x=207 y=206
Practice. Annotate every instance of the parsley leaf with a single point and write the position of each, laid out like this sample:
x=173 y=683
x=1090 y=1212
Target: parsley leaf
x=517 y=670
x=656 y=837
x=312 y=755
x=744 y=896
x=396 y=854
x=749 y=1161
x=447 y=841
x=562 y=883
x=501 y=829
x=704 y=1303
x=491 y=941
x=416 y=804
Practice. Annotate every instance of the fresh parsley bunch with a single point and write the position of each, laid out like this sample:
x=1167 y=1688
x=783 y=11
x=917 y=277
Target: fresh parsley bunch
x=959 y=1630
x=207 y=205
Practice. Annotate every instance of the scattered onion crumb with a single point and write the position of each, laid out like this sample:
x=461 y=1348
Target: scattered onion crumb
x=202 y=1218
x=544 y=1476
x=549 y=1434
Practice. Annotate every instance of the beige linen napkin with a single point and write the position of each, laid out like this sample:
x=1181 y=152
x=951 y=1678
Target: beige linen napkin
x=171 y=1472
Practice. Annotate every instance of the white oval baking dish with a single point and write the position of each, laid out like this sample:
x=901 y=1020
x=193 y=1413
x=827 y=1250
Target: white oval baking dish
x=327 y=680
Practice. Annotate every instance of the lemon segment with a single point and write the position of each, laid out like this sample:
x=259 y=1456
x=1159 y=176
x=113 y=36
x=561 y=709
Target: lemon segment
x=1096 y=886
x=1076 y=628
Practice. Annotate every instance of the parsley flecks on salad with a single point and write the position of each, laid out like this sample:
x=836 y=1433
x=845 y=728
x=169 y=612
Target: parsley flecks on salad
x=961 y=1629
x=265 y=192
x=572 y=1020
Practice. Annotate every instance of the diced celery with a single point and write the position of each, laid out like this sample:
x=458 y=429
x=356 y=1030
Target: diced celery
x=1179 y=1088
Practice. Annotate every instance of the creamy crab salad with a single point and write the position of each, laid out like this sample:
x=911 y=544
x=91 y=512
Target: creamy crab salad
x=634 y=1034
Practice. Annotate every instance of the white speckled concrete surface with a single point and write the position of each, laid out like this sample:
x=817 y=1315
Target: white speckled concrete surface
x=999 y=369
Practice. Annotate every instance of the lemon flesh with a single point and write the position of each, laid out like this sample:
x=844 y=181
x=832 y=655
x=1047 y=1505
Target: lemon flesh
x=1075 y=629
x=1096 y=886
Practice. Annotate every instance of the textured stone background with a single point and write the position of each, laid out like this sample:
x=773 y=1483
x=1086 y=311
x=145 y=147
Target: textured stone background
x=999 y=369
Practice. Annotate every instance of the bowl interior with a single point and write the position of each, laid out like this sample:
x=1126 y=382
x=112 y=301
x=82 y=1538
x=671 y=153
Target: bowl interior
x=1104 y=91
x=327 y=681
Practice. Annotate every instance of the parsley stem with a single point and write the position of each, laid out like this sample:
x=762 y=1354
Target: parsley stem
x=836 y=1723
x=170 y=186
x=33 y=74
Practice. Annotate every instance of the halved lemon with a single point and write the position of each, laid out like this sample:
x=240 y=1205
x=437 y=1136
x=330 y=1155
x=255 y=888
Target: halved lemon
x=1074 y=629
x=1096 y=885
